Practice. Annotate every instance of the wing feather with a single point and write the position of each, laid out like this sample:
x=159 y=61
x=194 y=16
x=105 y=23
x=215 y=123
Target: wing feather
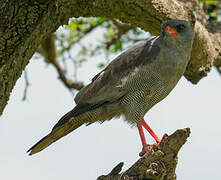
x=106 y=85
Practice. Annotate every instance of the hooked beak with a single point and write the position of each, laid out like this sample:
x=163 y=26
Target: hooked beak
x=171 y=32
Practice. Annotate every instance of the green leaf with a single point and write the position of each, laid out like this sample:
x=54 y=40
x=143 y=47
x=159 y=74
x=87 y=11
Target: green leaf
x=101 y=65
x=213 y=15
x=100 y=19
x=137 y=31
x=118 y=45
x=61 y=37
x=211 y=2
x=59 y=53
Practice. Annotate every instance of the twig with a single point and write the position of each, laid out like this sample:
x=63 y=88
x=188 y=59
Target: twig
x=27 y=84
x=122 y=29
x=67 y=82
x=84 y=34
x=48 y=50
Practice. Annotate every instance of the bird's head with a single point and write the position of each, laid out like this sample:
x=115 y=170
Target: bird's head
x=177 y=30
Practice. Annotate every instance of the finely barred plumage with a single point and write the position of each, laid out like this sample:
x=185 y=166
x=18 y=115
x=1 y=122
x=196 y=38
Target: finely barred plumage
x=131 y=84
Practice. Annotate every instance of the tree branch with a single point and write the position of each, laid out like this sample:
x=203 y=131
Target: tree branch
x=122 y=29
x=215 y=34
x=67 y=82
x=27 y=84
x=48 y=50
x=159 y=163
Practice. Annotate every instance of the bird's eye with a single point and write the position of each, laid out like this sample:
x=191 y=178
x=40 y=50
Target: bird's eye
x=180 y=27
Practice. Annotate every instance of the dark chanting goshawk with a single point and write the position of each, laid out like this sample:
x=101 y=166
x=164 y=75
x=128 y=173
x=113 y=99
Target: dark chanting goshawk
x=131 y=84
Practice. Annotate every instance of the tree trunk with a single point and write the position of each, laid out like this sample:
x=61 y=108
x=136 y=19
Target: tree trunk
x=23 y=24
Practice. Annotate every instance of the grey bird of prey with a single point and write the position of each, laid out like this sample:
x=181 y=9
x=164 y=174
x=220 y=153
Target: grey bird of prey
x=131 y=84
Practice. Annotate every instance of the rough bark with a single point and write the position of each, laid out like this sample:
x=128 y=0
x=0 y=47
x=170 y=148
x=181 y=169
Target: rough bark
x=159 y=162
x=23 y=24
x=215 y=34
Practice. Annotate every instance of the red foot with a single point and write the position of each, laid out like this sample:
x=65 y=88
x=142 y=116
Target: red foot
x=147 y=147
x=164 y=136
x=144 y=150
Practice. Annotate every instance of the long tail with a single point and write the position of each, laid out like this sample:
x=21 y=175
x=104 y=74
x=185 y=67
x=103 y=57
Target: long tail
x=80 y=115
x=55 y=135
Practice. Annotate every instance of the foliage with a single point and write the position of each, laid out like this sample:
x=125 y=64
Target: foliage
x=78 y=34
x=212 y=8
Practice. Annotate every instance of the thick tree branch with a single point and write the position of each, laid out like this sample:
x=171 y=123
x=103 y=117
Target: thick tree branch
x=158 y=163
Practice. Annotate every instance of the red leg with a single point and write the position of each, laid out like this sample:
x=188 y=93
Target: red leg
x=145 y=125
x=142 y=137
x=143 y=140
